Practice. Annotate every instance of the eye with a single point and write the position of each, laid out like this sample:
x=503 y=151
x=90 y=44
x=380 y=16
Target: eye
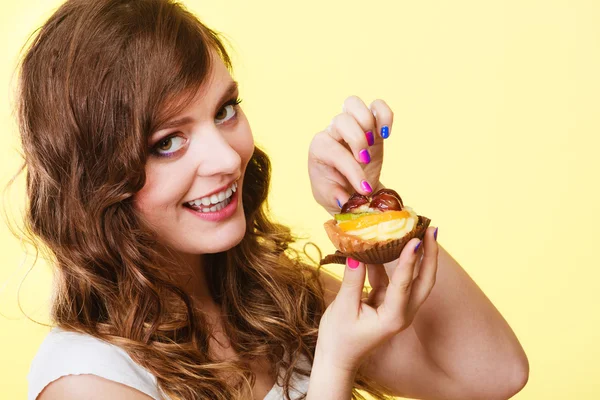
x=228 y=111
x=169 y=145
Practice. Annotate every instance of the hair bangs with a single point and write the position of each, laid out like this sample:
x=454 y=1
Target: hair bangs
x=181 y=52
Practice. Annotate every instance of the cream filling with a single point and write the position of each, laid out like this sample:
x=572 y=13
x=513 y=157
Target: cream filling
x=393 y=229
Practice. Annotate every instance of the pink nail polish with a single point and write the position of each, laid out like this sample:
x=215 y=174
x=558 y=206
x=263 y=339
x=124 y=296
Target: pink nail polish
x=352 y=263
x=370 y=138
x=365 y=186
x=364 y=156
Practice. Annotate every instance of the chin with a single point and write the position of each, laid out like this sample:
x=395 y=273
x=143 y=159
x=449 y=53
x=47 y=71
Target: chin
x=219 y=239
x=218 y=246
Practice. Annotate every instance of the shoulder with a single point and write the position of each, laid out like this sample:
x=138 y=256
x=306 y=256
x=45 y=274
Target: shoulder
x=90 y=387
x=74 y=363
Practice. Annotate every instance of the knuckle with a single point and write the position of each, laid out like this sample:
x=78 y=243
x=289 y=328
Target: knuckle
x=387 y=114
x=319 y=136
x=378 y=104
x=317 y=142
x=384 y=112
x=340 y=119
x=334 y=122
x=351 y=99
x=357 y=108
x=365 y=119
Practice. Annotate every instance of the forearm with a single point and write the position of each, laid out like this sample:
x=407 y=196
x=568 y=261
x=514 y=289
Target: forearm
x=466 y=337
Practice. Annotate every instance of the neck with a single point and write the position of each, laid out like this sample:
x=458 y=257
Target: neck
x=191 y=276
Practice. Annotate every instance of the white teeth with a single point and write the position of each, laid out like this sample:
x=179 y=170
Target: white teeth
x=215 y=198
x=217 y=207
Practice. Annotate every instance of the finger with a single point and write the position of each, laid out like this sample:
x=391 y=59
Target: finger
x=354 y=106
x=418 y=262
x=333 y=153
x=345 y=129
x=333 y=195
x=398 y=292
x=351 y=290
x=424 y=283
x=378 y=278
x=384 y=117
x=341 y=197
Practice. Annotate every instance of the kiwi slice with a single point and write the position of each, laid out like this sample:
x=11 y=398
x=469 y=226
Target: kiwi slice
x=350 y=216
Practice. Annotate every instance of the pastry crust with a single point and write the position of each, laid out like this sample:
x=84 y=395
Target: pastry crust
x=366 y=251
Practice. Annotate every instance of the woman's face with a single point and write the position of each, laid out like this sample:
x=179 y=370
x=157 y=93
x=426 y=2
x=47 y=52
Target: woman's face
x=192 y=195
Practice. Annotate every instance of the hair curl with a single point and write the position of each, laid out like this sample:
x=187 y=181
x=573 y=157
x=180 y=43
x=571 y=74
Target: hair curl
x=94 y=83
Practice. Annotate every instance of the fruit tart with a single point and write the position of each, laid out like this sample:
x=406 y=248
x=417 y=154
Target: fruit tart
x=374 y=229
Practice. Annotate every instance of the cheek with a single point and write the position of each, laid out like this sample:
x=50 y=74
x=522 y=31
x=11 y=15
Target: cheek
x=243 y=141
x=159 y=192
x=144 y=199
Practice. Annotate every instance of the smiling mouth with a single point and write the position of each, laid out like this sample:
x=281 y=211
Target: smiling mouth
x=214 y=202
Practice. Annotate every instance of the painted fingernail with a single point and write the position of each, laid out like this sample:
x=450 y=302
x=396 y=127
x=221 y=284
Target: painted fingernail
x=385 y=131
x=365 y=186
x=370 y=138
x=417 y=246
x=435 y=233
x=352 y=263
x=338 y=203
x=364 y=156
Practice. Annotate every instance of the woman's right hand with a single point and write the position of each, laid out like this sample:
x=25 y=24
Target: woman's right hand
x=351 y=328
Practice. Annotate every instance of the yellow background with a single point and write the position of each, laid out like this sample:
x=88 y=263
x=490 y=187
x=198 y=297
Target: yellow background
x=495 y=139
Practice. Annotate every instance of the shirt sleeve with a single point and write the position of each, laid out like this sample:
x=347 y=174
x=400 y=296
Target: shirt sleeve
x=65 y=353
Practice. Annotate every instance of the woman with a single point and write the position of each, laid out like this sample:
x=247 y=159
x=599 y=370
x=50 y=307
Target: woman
x=172 y=282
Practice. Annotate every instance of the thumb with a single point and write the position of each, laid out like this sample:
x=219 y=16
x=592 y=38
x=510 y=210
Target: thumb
x=352 y=286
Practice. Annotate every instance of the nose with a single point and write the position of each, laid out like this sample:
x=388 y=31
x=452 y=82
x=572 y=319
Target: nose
x=217 y=156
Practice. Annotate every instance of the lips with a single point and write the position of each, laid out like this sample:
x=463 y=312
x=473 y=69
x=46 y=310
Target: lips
x=213 y=206
x=214 y=197
x=221 y=214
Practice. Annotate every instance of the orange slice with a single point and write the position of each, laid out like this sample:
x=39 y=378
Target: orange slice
x=373 y=219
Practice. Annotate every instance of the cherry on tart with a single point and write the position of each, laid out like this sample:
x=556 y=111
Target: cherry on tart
x=373 y=229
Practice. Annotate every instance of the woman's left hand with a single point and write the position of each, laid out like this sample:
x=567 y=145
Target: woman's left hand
x=348 y=155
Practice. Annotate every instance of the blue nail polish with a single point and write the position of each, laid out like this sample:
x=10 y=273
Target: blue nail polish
x=338 y=203
x=385 y=132
x=417 y=247
x=435 y=234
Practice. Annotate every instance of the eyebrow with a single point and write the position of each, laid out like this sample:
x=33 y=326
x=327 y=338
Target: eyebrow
x=231 y=89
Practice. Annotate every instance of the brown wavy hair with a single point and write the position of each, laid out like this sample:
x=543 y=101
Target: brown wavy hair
x=96 y=80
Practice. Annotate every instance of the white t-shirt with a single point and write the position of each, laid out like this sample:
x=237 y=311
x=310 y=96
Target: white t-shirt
x=65 y=353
